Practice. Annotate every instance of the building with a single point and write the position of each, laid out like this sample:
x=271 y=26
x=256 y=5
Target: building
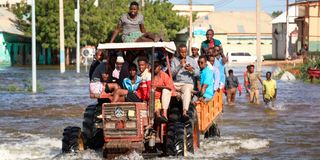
x=13 y=43
x=15 y=47
x=235 y=30
x=281 y=42
x=308 y=22
x=9 y=3
x=200 y=9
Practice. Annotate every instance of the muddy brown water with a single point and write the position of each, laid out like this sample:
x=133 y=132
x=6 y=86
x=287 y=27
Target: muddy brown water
x=31 y=125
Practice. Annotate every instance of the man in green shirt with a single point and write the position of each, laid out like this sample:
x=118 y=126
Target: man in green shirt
x=210 y=42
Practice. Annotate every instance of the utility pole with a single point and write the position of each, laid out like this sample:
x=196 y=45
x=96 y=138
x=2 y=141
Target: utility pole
x=61 y=22
x=287 y=25
x=77 y=18
x=190 y=27
x=258 y=35
x=34 y=57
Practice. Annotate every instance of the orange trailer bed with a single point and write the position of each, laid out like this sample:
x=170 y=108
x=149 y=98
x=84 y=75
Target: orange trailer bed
x=209 y=111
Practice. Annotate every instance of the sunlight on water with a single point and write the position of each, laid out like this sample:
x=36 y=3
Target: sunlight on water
x=131 y=156
x=27 y=146
x=276 y=106
x=224 y=146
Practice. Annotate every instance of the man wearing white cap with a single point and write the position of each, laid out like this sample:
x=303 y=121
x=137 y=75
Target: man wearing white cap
x=118 y=66
x=195 y=51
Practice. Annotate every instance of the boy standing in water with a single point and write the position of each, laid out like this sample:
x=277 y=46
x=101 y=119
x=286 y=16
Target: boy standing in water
x=232 y=84
x=269 y=89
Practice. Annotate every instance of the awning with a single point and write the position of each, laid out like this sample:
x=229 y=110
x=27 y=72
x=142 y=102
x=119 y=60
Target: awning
x=168 y=46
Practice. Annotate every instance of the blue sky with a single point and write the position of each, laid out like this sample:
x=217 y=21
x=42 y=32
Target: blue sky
x=240 y=5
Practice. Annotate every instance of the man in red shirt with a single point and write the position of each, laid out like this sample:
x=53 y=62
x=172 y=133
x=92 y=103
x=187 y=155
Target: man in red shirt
x=143 y=91
x=246 y=83
x=163 y=86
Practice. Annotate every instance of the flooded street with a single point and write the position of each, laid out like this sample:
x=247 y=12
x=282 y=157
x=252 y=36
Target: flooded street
x=31 y=125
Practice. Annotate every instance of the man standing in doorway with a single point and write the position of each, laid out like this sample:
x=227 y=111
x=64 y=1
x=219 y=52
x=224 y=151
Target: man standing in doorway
x=253 y=79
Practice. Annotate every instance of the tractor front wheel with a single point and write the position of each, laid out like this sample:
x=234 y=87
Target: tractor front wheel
x=72 y=140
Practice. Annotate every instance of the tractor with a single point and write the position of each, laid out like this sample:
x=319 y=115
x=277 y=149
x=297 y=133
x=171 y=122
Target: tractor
x=127 y=126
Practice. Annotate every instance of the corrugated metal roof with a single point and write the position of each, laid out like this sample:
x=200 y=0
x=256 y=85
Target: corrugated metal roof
x=7 y=24
x=233 y=22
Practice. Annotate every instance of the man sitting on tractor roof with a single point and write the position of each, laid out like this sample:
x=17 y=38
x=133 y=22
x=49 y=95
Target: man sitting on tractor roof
x=132 y=24
x=184 y=70
x=163 y=85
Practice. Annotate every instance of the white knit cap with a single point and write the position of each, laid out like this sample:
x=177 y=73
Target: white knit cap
x=120 y=59
x=195 y=45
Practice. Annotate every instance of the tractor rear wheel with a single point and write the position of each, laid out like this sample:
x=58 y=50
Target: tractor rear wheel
x=72 y=140
x=175 y=139
x=192 y=130
x=213 y=131
x=182 y=136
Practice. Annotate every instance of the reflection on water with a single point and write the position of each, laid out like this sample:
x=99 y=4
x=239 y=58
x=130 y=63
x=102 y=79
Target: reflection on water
x=32 y=124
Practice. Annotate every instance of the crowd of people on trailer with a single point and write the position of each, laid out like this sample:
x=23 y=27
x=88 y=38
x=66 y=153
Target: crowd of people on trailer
x=197 y=78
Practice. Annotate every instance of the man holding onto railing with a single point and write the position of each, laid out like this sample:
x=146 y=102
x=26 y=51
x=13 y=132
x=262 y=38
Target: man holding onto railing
x=206 y=81
x=163 y=86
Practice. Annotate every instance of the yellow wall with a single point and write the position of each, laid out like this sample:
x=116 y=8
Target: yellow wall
x=314 y=28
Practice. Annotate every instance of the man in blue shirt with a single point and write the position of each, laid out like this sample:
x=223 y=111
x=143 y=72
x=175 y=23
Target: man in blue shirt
x=130 y=85
x=206 y=80
x=219 y=62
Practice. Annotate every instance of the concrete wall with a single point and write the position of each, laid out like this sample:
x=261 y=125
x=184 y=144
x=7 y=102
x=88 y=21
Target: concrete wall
x=314 y=29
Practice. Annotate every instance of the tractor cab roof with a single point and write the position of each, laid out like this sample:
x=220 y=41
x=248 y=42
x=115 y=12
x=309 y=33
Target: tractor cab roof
x=168 y=46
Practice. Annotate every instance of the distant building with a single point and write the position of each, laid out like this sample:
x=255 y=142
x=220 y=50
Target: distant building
x=9 y=3
x=235 y=30
x=200 y=9
x=308 y=22
x=280 y=41
x=15 y=47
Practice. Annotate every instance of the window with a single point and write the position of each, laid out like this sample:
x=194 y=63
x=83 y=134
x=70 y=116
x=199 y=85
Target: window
x=237 y=54
x=247 y=54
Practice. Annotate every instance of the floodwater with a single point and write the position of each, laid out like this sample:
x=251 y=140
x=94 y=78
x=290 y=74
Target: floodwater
x=31 y=125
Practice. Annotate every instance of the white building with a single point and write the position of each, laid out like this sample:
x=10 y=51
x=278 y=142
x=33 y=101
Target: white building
x=281 y=42
x=9 y=3
x=200 y=9
x=235 y=30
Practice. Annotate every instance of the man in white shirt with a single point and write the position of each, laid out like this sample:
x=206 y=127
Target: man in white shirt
x=118 y=66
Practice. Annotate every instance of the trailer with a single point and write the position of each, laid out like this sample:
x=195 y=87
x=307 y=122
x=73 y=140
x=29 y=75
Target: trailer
x=127 y=126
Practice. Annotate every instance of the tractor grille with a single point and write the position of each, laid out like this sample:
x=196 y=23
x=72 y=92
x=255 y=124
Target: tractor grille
x=120 y=120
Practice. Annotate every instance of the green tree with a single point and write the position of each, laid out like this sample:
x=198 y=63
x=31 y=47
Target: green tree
x=97 y=23
x=160 y=18
x=275 y=14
